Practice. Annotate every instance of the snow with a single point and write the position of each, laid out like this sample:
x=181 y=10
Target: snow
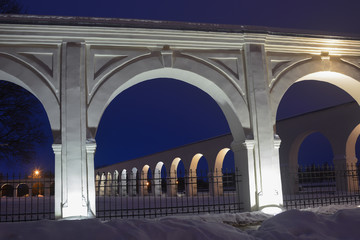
x=331 y=222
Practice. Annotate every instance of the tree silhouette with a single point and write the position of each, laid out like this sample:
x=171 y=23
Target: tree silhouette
x=20 y=126
x=11 y=7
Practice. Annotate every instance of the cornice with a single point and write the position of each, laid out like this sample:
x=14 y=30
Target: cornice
x=177 y=39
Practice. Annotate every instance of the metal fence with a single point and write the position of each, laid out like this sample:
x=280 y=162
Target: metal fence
x=26 y=198
x=313 y=186
x=141 y=195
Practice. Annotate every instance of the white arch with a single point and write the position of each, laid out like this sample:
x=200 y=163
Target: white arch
x=21 y=75
x=158 y=179
x=102 y=184
x=350 y=145
x=217 y=181
x=133 y=182
x=123 y=186
x=144 y=184
x=173 y=176
x=115 y=185
x=234 y=109
x=343 y=75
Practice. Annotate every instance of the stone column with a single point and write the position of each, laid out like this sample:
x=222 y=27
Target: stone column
x=75 y=185
x=245 y=169
x=267 y=168
x=58 y=180
x=90 y=154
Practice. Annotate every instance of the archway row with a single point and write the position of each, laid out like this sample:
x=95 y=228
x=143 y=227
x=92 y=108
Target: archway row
x=177 y=181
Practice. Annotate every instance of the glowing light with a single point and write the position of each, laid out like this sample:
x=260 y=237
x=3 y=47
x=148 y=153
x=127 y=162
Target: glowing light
x=272 y=210
x=36 y=172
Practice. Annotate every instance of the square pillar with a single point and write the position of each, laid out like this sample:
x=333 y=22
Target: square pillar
x=267 y=167
x=58 y=180
x=245 y=167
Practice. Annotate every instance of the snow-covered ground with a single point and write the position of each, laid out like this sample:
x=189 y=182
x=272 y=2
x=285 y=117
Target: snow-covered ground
x=317 y=223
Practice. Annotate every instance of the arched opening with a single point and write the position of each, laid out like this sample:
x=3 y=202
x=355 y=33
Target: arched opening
x=198 y=175
x=161 y=119
x=160 y=179
x=38 y=189
x=108 y=184
x=169 y=113
x=202 y=171
x=7 y=190
x=22 y=190
x=124 y=183
x=311 y=126
x=315 y=151
x=224 y=172
x=25 y=132
x=115 y=184
x=134 y=182
x=145 y=180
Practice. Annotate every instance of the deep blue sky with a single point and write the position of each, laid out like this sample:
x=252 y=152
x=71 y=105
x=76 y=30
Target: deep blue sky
x=142 y=119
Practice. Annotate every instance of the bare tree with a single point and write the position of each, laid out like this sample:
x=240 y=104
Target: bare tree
x=20 y=123
x=11 y=7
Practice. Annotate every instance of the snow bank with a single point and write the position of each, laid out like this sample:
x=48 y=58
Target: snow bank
x=319 y=224
x=295 y=224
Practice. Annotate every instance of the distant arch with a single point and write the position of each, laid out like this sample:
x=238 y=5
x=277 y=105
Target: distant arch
x=22 y=190
x=7 y=190
x=158 y=180
x=193 y=188
x=173 y=176
x=133 y=182
x=145 y=184
x=124 y=183
x=350 y=146
x=38 y=189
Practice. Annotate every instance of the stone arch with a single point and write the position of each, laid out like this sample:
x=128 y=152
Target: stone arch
x=124 y=183
x=145 y=183
x=193 y=175
x=173 y=176
x=340 y=73
x=38 y=189
x=295 y=147
x=97 y=184
x=108 y=184
x=22 y=190
x=158 y=180
x=115 y=185
x=229 y=100
x=23 y=74
x=102 y=184
x=133 y=182
x=350 y=146
x=217 y=182
x=7 y=190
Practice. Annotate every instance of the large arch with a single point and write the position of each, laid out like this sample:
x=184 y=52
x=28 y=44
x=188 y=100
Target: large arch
x=229 y=99
x=24 y=75
x=339 y=73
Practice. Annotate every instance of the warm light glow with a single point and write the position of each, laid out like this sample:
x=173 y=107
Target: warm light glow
x=342 y=81
x=37 y=172
x=271 y=210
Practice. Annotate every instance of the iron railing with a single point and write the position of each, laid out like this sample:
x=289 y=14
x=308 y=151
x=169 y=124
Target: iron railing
x=26 y=198
x=313 y=186
x=142 y=196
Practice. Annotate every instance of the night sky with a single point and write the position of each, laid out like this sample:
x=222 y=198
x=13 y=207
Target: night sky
x=164 y=113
